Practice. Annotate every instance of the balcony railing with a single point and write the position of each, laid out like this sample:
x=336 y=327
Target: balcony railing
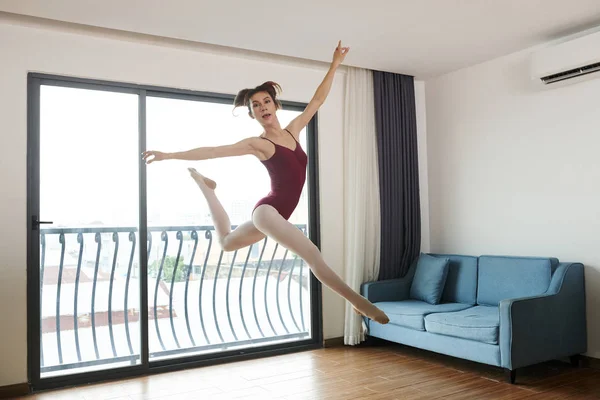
x=200 y=299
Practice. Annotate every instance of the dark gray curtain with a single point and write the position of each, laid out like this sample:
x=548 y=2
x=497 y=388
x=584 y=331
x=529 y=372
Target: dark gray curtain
x=396 y=124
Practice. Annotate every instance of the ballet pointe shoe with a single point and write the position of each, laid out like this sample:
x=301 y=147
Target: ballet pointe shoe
x=199 y=178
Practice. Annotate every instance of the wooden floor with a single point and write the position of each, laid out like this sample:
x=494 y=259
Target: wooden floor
x=375 y=372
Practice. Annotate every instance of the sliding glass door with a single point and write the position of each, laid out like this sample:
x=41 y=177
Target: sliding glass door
x=125 y=273
x=216 y=301
x=89 y=259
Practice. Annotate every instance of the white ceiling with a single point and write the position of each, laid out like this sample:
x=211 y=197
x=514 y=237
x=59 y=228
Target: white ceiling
x=424 y=38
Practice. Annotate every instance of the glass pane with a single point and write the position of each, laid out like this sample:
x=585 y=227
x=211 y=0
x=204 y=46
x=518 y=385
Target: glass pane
x=201 y=299
x=89 y=263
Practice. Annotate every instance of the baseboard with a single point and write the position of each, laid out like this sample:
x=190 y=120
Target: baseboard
x=12 y=391
x=369 y=341
x=590 y=362
x=334 y=342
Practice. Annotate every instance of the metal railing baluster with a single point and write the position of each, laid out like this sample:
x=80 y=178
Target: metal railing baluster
x=214 y=300
x=115 y=238
x=240 y=294
x=289 y=292
x=194 y=236
x=207 y=235
x=42 y=264
x=165 y=238
x=178 y=236
x=254 y=286
x=300 y=278
x=132 y=239
x=97 y=239
x=277 y=292
x=266 y=286
x=227 y=296
x=76 y=296
x=61 y=240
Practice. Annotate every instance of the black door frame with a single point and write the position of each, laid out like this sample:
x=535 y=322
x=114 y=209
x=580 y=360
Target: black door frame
x=34 y=82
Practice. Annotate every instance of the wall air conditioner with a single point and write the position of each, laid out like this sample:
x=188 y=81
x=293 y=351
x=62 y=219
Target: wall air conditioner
x=571 y=61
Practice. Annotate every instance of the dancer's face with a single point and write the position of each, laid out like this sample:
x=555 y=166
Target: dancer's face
x=263 y=108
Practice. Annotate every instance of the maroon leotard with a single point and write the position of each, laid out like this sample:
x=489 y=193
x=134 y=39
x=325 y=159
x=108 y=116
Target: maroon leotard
x=287 y=169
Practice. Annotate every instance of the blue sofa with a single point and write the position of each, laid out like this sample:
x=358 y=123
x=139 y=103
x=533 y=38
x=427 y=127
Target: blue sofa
x=509 y=312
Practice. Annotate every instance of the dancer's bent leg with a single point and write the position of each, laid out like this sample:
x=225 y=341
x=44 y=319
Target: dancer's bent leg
x=271 y=223
x=244 y=235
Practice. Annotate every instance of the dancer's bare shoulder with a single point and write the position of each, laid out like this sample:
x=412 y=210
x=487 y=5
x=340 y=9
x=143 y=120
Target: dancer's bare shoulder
x=263 y=149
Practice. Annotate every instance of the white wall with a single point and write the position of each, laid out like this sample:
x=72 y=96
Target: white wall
x=515 y=170
x=29 y=46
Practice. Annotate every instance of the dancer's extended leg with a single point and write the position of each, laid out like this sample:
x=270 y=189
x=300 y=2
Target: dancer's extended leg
x=271 y=223
x=242 y=236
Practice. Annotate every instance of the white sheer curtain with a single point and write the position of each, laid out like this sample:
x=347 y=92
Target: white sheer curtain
x=361 y=192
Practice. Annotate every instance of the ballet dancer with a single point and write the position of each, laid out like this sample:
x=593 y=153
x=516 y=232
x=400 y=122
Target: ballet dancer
x=280 y=152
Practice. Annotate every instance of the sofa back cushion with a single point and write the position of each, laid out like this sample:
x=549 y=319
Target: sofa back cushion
x=461 y=282
x=429 y=279
x=504 y=277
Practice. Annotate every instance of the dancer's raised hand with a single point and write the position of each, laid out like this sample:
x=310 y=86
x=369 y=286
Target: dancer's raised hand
x=339 y=54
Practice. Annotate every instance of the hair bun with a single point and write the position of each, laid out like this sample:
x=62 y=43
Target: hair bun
x=243 y=97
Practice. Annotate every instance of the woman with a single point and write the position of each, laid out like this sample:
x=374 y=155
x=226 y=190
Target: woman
x=280 y=152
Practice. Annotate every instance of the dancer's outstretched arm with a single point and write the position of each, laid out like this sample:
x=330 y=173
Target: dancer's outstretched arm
x=252 y=146
x=321 y=93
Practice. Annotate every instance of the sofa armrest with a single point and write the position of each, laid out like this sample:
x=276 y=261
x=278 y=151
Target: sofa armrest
x=545 y=327
x=390 y=289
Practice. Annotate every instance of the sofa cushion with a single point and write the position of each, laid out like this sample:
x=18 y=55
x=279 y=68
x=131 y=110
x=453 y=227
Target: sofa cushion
x=410 y=313
x=430 y=278
x=511 y=277
x=478 y=323
x=461 y=282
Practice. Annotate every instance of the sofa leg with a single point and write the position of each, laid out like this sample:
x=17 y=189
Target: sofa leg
x=575 y=360
x=511 y=374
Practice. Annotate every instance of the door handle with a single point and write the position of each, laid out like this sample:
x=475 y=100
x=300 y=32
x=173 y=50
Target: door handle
x=35 y=222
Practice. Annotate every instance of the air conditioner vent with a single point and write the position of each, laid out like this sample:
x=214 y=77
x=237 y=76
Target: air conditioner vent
x=572 y=73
